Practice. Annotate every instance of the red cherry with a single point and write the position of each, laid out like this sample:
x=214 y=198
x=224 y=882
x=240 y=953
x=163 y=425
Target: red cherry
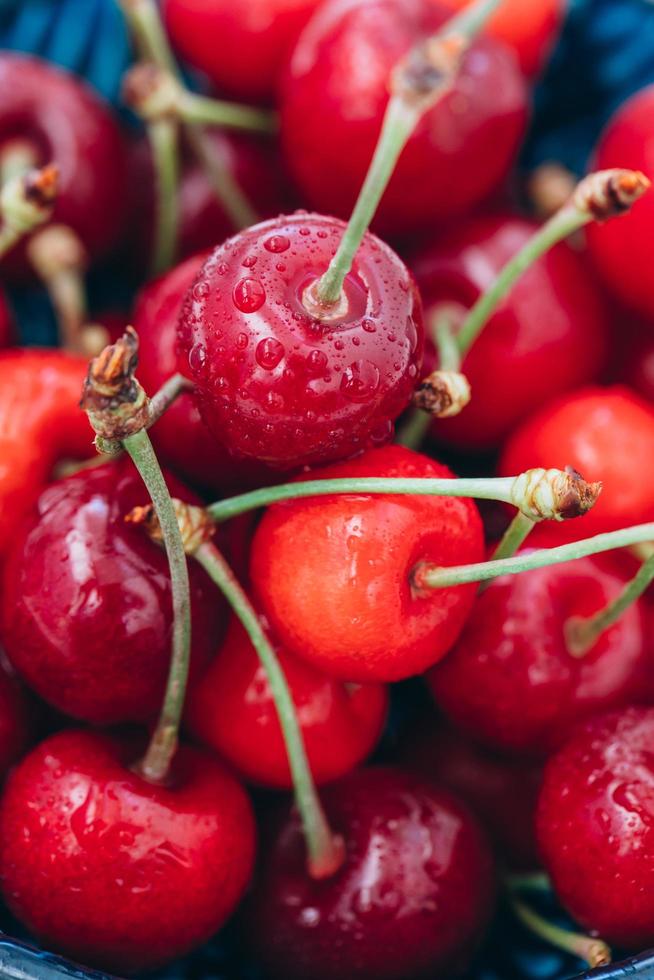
x=232 y=711
x=180 y=436
x=17 y=719
x=255 y=39
x=141 y=873
x=412 y=898
x=637 y=368
x=6 y=323
x=279 y=385
x=595 y=825
x=501 y=791
x=511 y=680
x=621 y=249
x=333 y=100
x=72 y=127
x=529 y=28
x=351 y=558
x=548 y=336
x=86 y=612
x=604 y=433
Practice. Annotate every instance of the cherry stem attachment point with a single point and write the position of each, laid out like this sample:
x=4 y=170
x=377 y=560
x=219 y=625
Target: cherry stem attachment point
x=514 y=537
x=582 y=633
x=595 y=952
x=26 y=202
x=17 y=156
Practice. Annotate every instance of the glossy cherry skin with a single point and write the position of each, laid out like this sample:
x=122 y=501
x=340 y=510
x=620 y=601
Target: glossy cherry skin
x=255 y=40
x=86 y=611
x=621 y=249
x=232 y=711
x=351 y=558
x=40 y=424
x=142 y=873
x=510 y=680
x=605 y=433
x=595 y=826
x=333 y=99
x=549 y=335
x=412 y=899
x=69 y=124
x=501 y=791
x=180 y=437
x=275 y=383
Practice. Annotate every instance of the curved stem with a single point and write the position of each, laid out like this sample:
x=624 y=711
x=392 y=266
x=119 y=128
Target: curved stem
x=228 y=191
x=164 y=141
x=166 y=395
x=145 y=23
x=582 y=634
x=156 y=763
x=325 y=851
x=594 y=951
x=204 y=111
x=432 y=577
x=514 y=537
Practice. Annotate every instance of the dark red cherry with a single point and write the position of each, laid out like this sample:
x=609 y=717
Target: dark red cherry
x=255 y=40
x=142 y=873
x=550 y=334
x=66 y=122
x=621 y=249
x=86 y=613
x=637 y=368
x=333 y=99
x=512 y=681
x=412 y=899
x=18 y=714
x=277 y=384
x=501 y=791
x=6 y=323
x=232 y=711
x=595 y=826
x=180 y=436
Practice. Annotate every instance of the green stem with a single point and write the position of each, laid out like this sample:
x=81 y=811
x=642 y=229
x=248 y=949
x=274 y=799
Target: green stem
x=325 y=851
x=228 y=191
x=432 y=577
x=145 y=23
x=158 y=757
x=536 y=881
x=449 y=357
x=166 y=395
x=164 y=141
x=16 y=158
x=583 y=633
x=514 y=537
x=594 y=951
x=204 y=111
x=415 y=430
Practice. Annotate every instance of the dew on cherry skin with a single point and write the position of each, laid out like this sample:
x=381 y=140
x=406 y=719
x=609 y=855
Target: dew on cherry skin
x=360 y=380
x=249 y=295
x=277 y=243
x=269 y=353
x=249 y=261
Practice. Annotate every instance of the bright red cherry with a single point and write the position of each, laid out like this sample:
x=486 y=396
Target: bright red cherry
x=86 y=614
x=275 y=382
x=180 y=436
x=412 y=899
x=334 y=96
x=232 y=711
x=605 y=433
x=512 y=680
x=64 y=121
x=595 y=826
x=529 y=28
x=142 y=873
x=501 y=791
x=255 y=40
x=550 y=334
x=351 y=558
x=621 y=249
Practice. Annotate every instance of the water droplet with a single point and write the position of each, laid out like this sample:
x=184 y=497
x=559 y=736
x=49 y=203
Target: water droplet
x=197 y=357
x=381 y=433
x=249 y=261
x=222 y=269
x=274 y=401
x=201 y=289
x=305 y=231
x=242 y=341
x=411 y=335
x=278 y=243
x=368 y=325
x=249 y=295
x=339 y=345
x=280 y=267
x=360 y=380
x=309 y=917
x=269 y=353
x=316 y=362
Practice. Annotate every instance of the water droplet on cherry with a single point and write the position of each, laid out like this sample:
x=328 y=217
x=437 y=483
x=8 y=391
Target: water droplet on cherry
x=269 y=353
x=277 y=243
x=249 y=295
x=360 y=380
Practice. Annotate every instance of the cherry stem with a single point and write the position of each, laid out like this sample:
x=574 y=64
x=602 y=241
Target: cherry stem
x=26 y=202
x=146 y=25
x=166 y=395
x=422 y=79
x=156 y=762
x=512 y=540
x=16 y=158
x=594 y=951
x=415 y=430
x=528 y=881
x=435 y=577
x=204 y=111
x=163 y=135
x=582 y=633
x=325 y=850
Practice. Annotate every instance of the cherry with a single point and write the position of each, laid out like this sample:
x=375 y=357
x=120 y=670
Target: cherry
x=637 y=369
x=74 y=128
x=17 y=719
x=6 y=323
x=621 y=249
x=142 y=873
x=513 y=680
x=333 y=100
x=548 y=336
x=284 y=380
x=86 y=613
x=232 y=711
x=529 y=28
x=180 y=436
x=40 y=423
x=255 y=40
x=412 y=898
x=501 y=791
x=601 y=432
x=352 y=557
x=594 y=823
